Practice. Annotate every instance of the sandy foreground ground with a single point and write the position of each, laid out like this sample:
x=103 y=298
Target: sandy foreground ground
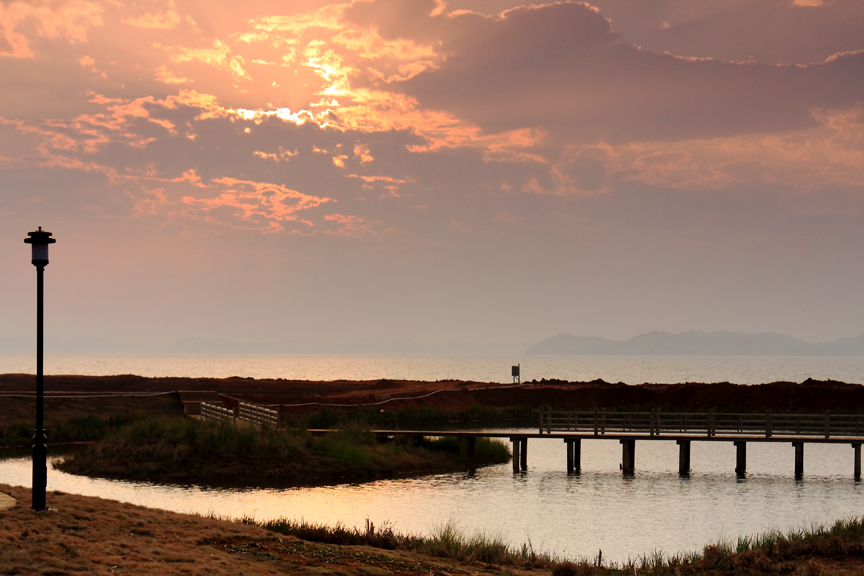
x=85 y=535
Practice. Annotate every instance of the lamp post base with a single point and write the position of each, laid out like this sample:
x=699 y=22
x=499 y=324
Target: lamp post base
x=40 y=470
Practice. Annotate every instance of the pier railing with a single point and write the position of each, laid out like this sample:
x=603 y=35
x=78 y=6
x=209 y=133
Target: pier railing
x=708 y=424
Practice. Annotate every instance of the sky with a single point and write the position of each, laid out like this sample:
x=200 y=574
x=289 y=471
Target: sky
x=304 y=175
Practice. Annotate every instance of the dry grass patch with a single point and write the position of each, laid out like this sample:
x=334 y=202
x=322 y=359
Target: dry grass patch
x=85 y=535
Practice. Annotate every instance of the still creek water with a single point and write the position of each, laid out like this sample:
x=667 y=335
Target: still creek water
x=569 y=515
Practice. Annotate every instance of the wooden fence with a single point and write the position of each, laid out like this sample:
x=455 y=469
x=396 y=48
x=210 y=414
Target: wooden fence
x=708 y=424
x=216 y=412
x=257 y=414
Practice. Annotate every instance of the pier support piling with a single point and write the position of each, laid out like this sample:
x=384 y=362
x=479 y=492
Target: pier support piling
x=523 y=457
x=574 y=455
x=520 y=453
x=741 y=458
x=628 y=456
x=857 y=448
x=799 y=459
x=683 y=457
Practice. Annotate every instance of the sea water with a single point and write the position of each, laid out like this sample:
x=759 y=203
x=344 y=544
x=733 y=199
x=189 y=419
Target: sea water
x=627 y=369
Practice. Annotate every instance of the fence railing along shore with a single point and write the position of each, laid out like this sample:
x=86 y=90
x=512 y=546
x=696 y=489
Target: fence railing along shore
x=709 y=424
x=246 y=412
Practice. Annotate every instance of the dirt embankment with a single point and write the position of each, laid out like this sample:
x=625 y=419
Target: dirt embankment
x=78 y=395
x=85 y=535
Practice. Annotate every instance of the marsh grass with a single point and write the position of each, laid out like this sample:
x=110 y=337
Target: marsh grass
x=834 y=549
x=86 y=428
x=485 y=449
x=446 y=541
x=183 y=450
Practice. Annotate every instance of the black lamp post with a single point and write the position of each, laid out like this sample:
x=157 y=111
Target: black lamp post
x=39 y=241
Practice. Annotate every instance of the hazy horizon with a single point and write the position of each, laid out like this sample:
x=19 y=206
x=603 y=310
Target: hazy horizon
x=432 y=171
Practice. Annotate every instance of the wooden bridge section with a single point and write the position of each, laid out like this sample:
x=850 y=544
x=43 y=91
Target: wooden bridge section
x=710 y=424
x=683 y=428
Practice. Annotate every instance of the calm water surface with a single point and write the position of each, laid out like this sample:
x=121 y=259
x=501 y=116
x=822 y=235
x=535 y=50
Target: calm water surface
x=568 y=515
x=627 y=369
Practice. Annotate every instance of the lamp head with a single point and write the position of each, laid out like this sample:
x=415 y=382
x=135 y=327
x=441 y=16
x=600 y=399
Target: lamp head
x=39 y=240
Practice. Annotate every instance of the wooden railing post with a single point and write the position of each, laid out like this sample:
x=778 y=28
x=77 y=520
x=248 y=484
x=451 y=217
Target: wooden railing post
x=827 y=424
x=768 y=422
x=596 y=422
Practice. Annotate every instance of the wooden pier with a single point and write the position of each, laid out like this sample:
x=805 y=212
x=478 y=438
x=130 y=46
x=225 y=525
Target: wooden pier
x=683 y=428
x=687 y=427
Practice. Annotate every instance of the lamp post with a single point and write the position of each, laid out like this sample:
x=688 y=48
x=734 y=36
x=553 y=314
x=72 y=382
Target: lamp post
x=39 y=241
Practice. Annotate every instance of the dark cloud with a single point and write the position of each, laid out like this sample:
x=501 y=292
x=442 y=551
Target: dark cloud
x=739 y=30
x=563 y=68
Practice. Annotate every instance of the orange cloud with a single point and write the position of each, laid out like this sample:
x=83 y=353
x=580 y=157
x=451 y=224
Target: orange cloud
x=219 y=56
x=166 y=76
x=353 y=226
x=22 y=23
x=159 y=20
x=257 y=202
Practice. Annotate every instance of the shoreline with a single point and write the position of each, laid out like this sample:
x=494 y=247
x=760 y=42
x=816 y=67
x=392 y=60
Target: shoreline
x=85 y=534
x=306 y=396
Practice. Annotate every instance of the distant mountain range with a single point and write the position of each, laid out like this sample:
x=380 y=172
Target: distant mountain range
x=696 y=344
x=655 y=343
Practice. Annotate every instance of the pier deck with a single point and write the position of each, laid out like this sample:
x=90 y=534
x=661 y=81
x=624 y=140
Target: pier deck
x=683 y=428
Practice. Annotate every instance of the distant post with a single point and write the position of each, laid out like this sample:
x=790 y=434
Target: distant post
x=39 y=242
x=514 y=371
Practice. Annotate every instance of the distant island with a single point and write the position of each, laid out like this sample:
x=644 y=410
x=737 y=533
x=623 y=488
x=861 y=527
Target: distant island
x=694 y=343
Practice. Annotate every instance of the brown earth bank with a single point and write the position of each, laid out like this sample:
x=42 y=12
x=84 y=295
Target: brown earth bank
x=79 y=394
x=85 y=535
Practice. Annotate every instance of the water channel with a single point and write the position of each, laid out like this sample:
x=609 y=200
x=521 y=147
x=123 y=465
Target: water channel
x=577 y=515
